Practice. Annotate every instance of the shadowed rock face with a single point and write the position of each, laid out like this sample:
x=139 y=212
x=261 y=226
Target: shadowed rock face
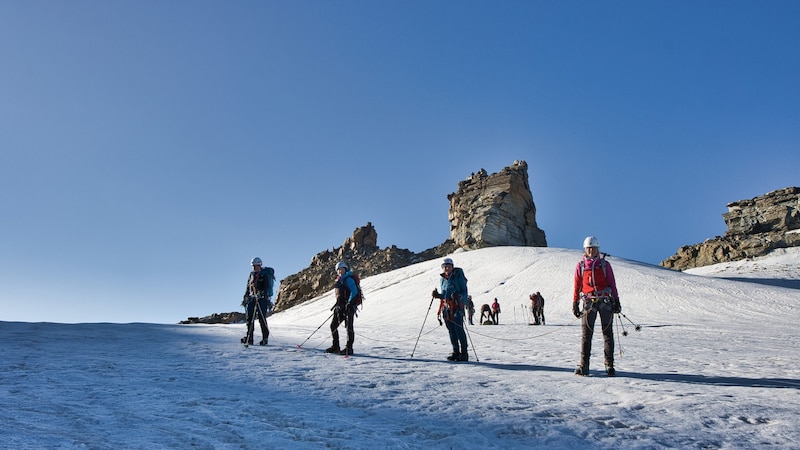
x=495 y=210
x=755 y=227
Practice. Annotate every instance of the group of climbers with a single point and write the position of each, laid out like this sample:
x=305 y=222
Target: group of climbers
x=594 y=294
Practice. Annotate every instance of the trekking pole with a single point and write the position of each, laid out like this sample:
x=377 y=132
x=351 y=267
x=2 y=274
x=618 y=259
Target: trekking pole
x=621 y=325
x=635 y=327
x=472 y=345
x=315 y=331
x=263 y=317
x=422 y=328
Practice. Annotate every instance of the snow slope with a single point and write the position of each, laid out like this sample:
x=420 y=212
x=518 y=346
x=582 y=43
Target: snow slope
x=714 y=366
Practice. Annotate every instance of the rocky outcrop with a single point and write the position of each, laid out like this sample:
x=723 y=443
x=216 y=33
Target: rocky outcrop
x=231 y=317
x=487 y=210
x=494 y=210
x=755 y=227
x=363 y=255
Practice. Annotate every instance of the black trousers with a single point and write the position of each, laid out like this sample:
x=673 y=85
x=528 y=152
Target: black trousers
x=346 y=315
x=256 y=308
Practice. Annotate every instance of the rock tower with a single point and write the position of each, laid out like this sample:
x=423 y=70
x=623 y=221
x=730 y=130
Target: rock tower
x=495 y=210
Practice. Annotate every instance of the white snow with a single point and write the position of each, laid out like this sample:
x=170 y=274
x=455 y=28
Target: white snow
x=715 y=365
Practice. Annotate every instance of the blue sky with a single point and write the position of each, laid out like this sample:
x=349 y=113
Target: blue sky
x=150 y=149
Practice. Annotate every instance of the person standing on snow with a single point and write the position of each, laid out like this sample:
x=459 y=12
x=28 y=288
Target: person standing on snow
x=257 y=300
x=595 y=286
x=470 y=309
x=496 y=312
x=453 y=286
x=344 y=310
x=537 y=308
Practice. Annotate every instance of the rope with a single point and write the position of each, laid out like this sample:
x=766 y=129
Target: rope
x=395 y=340
x=557 y=329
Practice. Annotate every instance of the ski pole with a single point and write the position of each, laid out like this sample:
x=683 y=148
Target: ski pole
x=315 y=331
x=422 y=328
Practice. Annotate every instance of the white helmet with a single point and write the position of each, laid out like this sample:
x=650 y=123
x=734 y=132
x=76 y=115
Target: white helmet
x=255 y=261
x=341 y=264
x=447 y=261
x=591 y=241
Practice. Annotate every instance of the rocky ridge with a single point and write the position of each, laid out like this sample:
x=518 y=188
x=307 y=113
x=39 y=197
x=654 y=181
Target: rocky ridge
x=485 y=211
x=755 y=227
x=363 y=255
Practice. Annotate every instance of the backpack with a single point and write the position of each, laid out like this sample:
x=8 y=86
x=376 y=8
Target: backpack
x=458 y=273
x=359 y=298
x=602 y=266
x=270 y=280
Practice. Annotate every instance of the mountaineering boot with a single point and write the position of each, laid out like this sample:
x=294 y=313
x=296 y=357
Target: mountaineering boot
x=610 y=370
x=463 y=356
x=332 y=349
x=456 y=356
x=263 y=342
x=582 y=371
x=347 y=351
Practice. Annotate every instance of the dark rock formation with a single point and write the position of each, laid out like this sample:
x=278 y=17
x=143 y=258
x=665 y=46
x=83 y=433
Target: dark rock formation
x=755 y=227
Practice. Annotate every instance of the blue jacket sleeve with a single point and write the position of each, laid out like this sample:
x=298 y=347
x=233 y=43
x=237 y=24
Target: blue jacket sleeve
x=351 y=286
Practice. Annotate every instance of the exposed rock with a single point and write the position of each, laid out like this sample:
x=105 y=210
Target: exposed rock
x=487 y=210
x=755 y=227
x=231 y=317
x=494 y=210
x=363 y=255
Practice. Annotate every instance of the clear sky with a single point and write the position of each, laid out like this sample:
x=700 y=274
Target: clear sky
x=149 y=149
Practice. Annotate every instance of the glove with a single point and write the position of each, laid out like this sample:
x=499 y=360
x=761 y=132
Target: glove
x=616 y=308
x=576 y=309
x=340 y=313
x=336 y=310
x=436 y=294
